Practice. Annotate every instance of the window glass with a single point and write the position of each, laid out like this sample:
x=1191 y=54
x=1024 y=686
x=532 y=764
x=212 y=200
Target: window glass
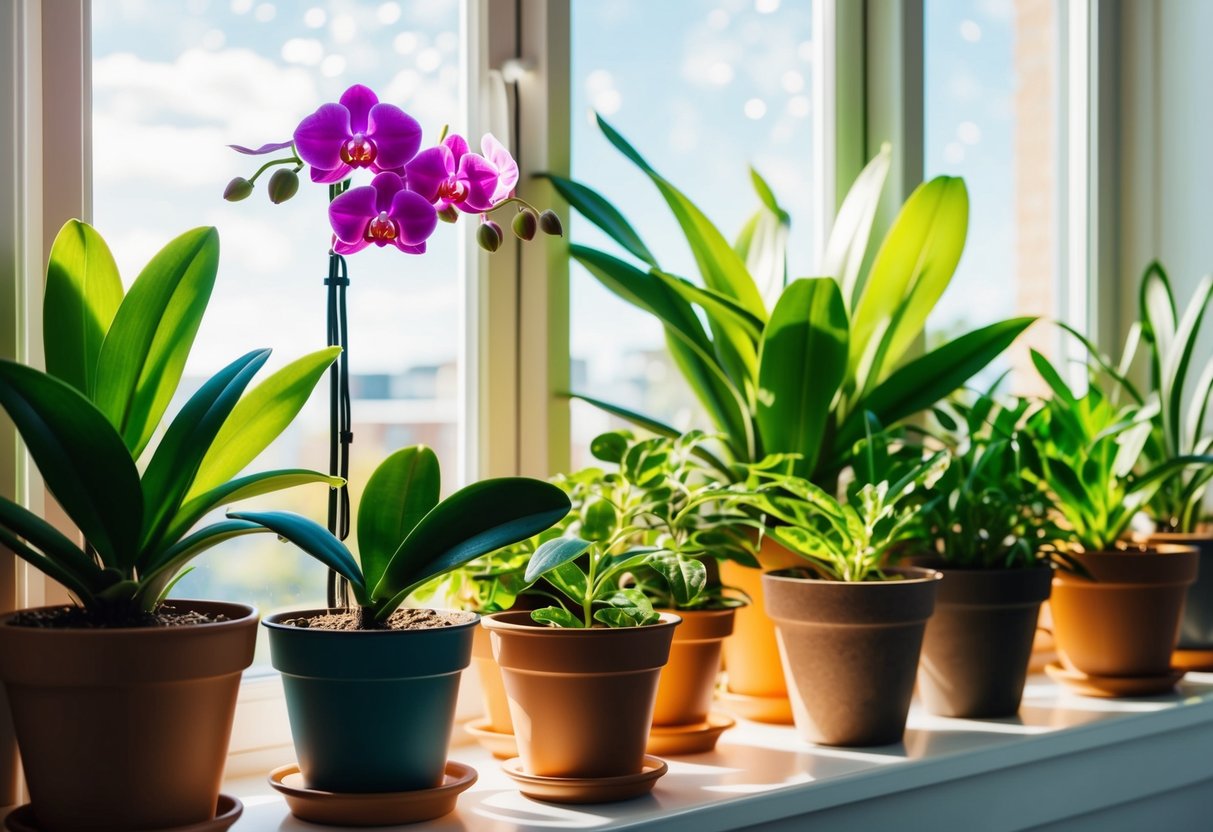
x=174 y=82
x=702 y=89
x=992 y=117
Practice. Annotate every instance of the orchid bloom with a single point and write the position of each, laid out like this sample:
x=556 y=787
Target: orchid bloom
x=450 y=174
x=357 y=132
x=382 y=212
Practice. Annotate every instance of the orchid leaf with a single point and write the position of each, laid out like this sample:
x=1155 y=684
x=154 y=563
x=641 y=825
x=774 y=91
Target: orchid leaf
x=402 y=490
x=312 y=538
x=598 y=210
x=161 y=576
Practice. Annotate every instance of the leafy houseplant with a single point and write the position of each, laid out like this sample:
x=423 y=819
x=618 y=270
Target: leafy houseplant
x=114 y=361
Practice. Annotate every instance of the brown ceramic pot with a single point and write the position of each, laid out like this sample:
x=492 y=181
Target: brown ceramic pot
x=1196 y=626
x=492 y=686
x=978 y=642
x=581 y=700
x=751 y=654
x=850 y=651
x=126 y=729
x=1125 y=622
x=684 y=694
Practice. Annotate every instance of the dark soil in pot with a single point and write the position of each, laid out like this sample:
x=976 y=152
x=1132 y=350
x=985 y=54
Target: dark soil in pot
x=1196 y=626
x=850 y=651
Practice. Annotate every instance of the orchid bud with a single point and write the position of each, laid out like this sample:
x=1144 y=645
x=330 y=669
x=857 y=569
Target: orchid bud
x=525 y=224
x=448 y=214
x=238 y=189
x=550 y=223
x=283 y=185
x=489 y=236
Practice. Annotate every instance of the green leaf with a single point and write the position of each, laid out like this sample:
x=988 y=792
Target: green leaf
x=160 y=577
x=151 y=335
x=598 y=210
x=173 y=466
x=767 y=196
x=686 y=577
x=474 y=521
x=313 y=539
x=557 y=617
x=82 y=459
x=552 y=554
x=720 y=308
x=848 y=242
x=569 y=579
x=83 y=292
x=802 y=363
x=404 y=488
x=71 y=580
x=259 y=418
x=49 y=541
x=1053 y=378
x=1176 y=361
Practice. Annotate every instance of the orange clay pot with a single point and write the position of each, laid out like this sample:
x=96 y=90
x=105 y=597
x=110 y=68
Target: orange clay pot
x=492 y=687
x=684 y=694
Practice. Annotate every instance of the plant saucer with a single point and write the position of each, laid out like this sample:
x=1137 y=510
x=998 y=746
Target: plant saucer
x=1114 y=686
x=227 y=812
x=586 y=789
x=1193 y=661
x=501 y=745
x=696 y=738
x=371 y=809
x=776 y=710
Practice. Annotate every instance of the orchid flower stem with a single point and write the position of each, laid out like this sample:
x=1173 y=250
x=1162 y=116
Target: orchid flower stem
x=294 y=160
x=513 y=199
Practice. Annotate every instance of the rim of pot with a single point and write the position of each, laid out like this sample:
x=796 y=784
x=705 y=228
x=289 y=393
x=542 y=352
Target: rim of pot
x=498 y=621
x=248 y=611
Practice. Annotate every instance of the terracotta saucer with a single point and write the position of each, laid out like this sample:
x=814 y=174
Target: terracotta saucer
x=586 y=789
x=383 y=809
x=227 y=812
x=500 y=745
x=1111 y=687
x=1197 y=661
x=689 y=739
x=776 y=710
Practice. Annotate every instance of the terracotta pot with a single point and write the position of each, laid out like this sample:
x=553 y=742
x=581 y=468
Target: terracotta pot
x=978 y=642
x=684 y=694
x=126 y=729
x=850 y=651
x=581 y=700
x=1125 y=622
x=1196 y=626
x=751 y=654
x=370 y=711
x=492 y=686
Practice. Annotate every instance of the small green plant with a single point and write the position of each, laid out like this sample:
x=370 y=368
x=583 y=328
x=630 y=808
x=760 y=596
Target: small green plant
x=114 y=361
x=407 y=537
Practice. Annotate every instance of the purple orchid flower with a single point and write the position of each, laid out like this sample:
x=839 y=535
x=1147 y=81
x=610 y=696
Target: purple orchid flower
x=358 y=132
x=382 y=212
x=450 y=174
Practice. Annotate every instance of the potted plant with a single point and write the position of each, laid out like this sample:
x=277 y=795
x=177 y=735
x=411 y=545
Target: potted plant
x=1116 y=617
x=748 y=342
x=400 y=665
x=988 y=532
x=123 y=702
x=850 y=627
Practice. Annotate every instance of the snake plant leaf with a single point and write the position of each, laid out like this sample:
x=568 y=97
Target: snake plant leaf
x=314 y=539
x=83 y=292
x=402 y=490
x=912 y=268
x=151 y=335
x=475 y=520
x=81 y=457
x=848 y=243
x=802 y=363
x=194 y=509
x=71 y=580
x=598 y=210
x=158 y=578
x=175 y=463
x=48 y=540
x=721 y=267
x=552 y=554
x=259 y=418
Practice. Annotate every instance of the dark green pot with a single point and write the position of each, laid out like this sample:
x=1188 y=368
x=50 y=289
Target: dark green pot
x=370 y=711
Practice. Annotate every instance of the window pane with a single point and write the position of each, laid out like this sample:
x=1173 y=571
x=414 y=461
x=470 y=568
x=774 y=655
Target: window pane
x=992 y=117
x=174 y=82
x=704 y=89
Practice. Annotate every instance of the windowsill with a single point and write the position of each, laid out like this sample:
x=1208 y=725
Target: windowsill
x=1063 y=758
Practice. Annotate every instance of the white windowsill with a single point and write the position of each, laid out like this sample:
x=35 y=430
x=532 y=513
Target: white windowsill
x=1066 y=759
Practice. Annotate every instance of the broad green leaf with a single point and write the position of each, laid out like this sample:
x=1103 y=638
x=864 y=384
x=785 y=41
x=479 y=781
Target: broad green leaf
x=48 y=540
x=557 y=617
x=848 y=243
x=159 y=578
x=626 y=617
x=686 y=577
x=553 y=554
x=569 y=579
x=71 y=580
x=914 y=265
x=259 y=418
x=82 y=459
x=476 y=520
x=151 y=335
x=313 y=539
x=598 y=210
x=83 y=292
x=802 y=363
x=171 y=471
x=404 y=488
x=721 y=267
